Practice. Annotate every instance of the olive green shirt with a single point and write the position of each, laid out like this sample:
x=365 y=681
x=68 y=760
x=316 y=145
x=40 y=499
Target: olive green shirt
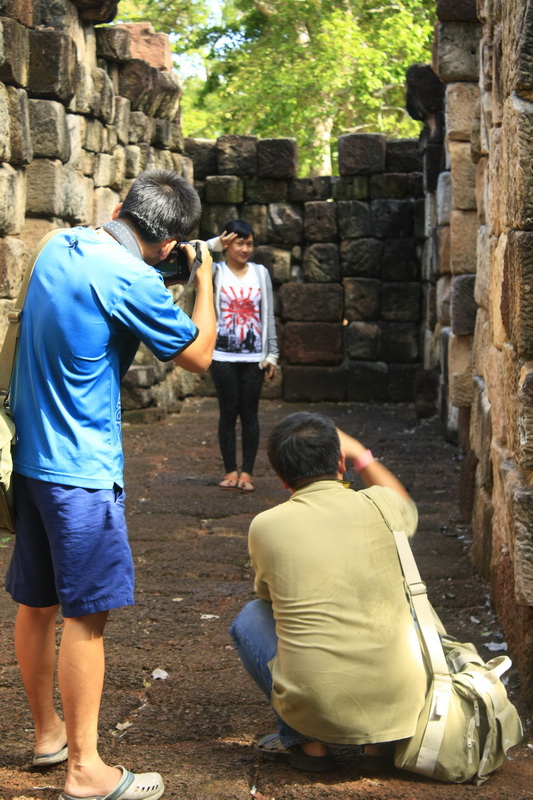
x=348 y=668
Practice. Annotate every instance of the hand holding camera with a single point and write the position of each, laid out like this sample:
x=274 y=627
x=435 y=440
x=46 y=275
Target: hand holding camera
x=183 y=262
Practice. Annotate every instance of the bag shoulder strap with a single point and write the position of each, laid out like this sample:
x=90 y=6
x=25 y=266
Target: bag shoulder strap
x=441 y=680
x=9 y=347
x=421 y=605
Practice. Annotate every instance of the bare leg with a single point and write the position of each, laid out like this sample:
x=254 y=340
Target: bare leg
x=35 y=646
x=81 y=677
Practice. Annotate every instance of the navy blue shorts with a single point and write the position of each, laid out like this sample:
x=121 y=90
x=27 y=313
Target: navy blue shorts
x=71 y=548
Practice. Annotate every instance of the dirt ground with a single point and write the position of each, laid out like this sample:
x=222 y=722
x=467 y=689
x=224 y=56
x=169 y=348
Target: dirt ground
x=197 y=726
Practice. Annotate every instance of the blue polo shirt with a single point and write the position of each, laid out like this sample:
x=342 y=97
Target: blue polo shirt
x=89 y=304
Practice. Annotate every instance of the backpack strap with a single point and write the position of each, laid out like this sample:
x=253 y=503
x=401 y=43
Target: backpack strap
x=9 y=347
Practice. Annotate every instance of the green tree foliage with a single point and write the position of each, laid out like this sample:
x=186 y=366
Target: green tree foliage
x=312 y=69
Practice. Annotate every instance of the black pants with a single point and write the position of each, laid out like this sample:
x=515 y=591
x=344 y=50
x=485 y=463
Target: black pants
x=238 y=386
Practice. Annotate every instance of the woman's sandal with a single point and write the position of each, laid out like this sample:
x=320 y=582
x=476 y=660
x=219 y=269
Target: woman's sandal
x=246 y=485
x=228 y=482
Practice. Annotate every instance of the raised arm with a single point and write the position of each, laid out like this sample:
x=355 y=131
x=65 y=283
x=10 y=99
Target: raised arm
x=372 y=472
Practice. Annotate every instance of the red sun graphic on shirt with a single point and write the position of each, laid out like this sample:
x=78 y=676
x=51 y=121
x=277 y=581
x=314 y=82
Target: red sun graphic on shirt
x=240 y=311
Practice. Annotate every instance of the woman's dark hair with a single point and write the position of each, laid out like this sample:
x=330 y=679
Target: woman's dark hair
x=162 y=205
x=304 y=445
x=240 y=227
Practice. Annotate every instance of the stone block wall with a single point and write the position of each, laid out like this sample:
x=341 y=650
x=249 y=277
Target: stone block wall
x=477 y=270
x=83 y=110
x=344 y=254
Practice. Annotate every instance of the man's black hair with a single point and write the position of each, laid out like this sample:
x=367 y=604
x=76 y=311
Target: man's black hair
x=304 y=445
x=240 y=227
x=162 y=205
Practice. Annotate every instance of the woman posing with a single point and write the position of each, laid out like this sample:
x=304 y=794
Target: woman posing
x=246 y=349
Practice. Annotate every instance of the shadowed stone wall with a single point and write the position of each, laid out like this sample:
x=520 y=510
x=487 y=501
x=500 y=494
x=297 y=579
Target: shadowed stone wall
x=478 y=267
x=343 y=252
x=85 y=109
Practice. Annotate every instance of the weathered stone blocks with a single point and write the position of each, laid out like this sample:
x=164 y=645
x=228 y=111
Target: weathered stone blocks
x=367 y=381
x=400 y=260
x=19 y=127
x=354 y=219
x=49 y=130
x=236 y=155
x=147 y=45
x=461 y=99
x=302 y=190
x=15 y=65
x=311 y=302
x=12 y=199
x=314 y=384
x=320 y=221
x=276 y=260
x=149 y=90
x=460 y=370
x=361 y=257
x=361 y=298
x=285 y=223
x=60 y=190
x=362 y=154
x=277 y=158
x=321 y=263
x=525 y=399
x=14 y=257
x=224 y=189
x=463 y=305
x=403 y=155
x=392 y=218
x=5 y=124
x=362 y=341
x=113 y=44
x=356 y=187
x=401 y=302
x=312 y=343
x=517 y=290
x=399 y=342
x=515 y=163
x=203 y=155
x=463 y=174
x=265 y=190
x=457 y=50
x=463 y=240
x=52 y=64
x=391 y=185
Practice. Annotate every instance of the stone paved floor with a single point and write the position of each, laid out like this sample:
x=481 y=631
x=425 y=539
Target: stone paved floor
x=189 y=544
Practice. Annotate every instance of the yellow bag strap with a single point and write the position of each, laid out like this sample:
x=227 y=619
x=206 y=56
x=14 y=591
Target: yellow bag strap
x=9 y=347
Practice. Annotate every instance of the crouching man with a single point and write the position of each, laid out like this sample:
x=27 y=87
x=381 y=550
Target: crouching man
x=331 y=640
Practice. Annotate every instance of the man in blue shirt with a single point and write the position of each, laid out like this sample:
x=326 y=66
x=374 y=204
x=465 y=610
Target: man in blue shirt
x=90 y=302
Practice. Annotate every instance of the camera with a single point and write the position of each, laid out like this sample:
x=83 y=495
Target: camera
x=175 y=267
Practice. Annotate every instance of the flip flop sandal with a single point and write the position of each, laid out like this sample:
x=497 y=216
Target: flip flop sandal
x=270 y=747
x=49 y=759
x=246 y=486
x=228 y=483
x=145 y=786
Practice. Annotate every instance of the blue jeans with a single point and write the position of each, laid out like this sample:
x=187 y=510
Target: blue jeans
x=254 y=635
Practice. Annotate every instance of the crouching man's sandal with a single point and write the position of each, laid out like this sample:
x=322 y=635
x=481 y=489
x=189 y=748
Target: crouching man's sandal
x=146 y=786
x=270 y=747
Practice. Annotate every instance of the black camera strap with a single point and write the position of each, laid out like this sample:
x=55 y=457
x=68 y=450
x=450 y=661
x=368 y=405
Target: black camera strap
x=195 y=264
x=124 y=235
